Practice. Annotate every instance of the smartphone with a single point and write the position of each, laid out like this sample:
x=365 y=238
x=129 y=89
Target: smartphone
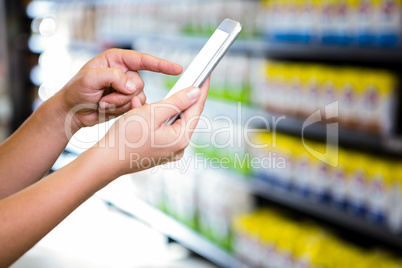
x=207 y=59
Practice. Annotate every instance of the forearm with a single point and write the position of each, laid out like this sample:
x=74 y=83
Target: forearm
x=32 y=150
x=28 y=215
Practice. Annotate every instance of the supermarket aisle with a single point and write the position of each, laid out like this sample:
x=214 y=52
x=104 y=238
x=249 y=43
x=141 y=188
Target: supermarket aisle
x=98 y=236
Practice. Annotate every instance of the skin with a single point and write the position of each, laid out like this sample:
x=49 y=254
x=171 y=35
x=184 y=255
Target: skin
x=30 y=206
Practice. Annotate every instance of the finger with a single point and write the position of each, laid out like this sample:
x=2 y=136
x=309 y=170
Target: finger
x=134 y=61
x=100 y=78
x=142 y=97
x=136 y=79
x=113 y=110
x=193 y=113
x=115 y=99
x=136 y=102
x=176 y=103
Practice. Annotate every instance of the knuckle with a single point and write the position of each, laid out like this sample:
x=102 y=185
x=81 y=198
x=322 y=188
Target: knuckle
x=179 y=102
x=117 y=100
x=116 y=74
x=87 y=77
x=111 y=51
x=121 y=100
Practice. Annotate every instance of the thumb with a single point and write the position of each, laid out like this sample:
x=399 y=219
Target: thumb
x=176 y=103
x=98 y=78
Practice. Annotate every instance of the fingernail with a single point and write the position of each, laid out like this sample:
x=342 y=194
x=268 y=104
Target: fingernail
x=130 y=86
x=104 y=104
x=194 y=93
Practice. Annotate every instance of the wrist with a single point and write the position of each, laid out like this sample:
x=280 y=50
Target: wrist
x=66 y=113
x=105 y=162
x=51 y=118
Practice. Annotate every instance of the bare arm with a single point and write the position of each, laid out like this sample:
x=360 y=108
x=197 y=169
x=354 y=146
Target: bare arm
x=32 y=150
x=28 y=215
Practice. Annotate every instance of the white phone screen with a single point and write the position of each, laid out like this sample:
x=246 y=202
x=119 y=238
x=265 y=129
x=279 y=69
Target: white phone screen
x=200 y=62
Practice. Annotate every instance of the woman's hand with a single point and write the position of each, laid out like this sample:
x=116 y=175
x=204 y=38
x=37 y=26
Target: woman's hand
x=140 y=139
x=109 y=85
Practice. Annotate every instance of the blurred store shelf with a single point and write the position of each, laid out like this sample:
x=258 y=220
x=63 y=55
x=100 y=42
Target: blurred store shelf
x=356 y=139
x=118 y=194
x=333 y=53
x=274 y=50
x=38 y=44
x=328 y=213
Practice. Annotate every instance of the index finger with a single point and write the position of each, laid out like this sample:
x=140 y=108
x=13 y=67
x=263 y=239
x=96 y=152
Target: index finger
x=135 y=61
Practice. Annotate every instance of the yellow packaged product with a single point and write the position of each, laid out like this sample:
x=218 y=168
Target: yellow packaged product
x=255 y=253
x=259 y=146
x=389 y=22
x=269 y=93
x=339 y=180
x=276 y=84
x=349 y=96
x=284 y=245
x=378 y=101
x=301 y=168
x=246 y=238
x=305 y=76
x=379 y=186
x=256 y=142
x=271 y=155
x=240 y=240
x=287 y=72
x=327 y=253
x=269 y=238
x=357 y=185
x=319 y=175
x=283 y=161
x=332 y=160
x=294 y=86
x=385 y=260
x=328 y=86
x=310 y=89
x=368 y=18
x=350 y=20
x=308 y=244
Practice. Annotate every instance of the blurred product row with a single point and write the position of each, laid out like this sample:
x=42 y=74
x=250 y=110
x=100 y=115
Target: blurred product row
x=336 y=22
x=201 y=196
x=366 y=99
x=364 y=185
x=269 y=238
